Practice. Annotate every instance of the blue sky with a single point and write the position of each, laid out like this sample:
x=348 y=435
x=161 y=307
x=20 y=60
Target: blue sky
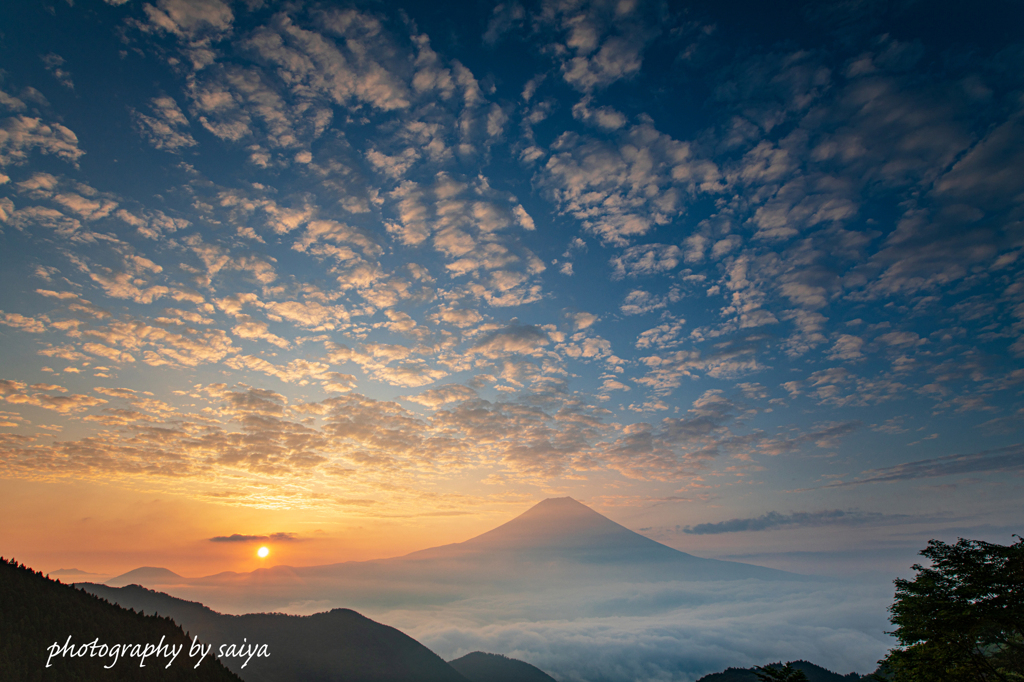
x=747 y=277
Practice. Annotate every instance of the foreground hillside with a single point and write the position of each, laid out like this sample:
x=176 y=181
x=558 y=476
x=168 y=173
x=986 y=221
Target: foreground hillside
x=36 y=612
x=335 y=646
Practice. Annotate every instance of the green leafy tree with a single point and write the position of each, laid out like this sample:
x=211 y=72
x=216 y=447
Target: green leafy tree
x=779 y=673
x=962 y=618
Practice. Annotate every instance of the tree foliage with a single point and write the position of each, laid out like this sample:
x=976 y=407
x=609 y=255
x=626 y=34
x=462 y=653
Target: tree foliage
x=962 y=618
x=779 y=673
x=36 y=612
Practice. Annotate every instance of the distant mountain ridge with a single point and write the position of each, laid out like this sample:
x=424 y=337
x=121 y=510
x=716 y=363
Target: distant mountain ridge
x=71 y=571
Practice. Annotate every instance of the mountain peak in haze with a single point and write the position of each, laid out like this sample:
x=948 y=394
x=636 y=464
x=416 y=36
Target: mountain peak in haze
x=561 y=502
x=560 y=505
x=560 y=522
x=147 y=575
x=560 y=531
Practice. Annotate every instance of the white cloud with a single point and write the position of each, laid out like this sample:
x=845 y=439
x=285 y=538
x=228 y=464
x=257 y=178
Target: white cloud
x=28 y=324
x=621 y=191
x=190 y=18
x=664 y=335
x=437 y=397
x=517 y=340
x=847 y=347
x=19 y=135
x=250 y=329
x=605 y=118
x=54 y=63
x=647 y=259
x=357 y=69
x=168 y=129
x=641 y=302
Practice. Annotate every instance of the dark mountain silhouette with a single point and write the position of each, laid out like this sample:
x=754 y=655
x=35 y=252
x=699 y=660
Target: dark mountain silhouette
x=335 y=646
x=481 y=667
x=557 y=543
x=36 y=612
x=147 y=575
x=815 y=673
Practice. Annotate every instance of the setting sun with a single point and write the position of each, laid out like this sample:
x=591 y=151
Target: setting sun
x=263 y=552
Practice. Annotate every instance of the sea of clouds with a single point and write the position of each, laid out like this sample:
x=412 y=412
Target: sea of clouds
x=664 y=631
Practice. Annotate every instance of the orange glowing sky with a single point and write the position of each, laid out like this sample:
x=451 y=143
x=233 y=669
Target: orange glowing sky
x=356 y=282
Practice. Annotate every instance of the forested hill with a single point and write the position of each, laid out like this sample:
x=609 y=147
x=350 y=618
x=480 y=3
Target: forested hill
x=482 y=667
x=815 y=673
x=335 y=646
x=37 y=612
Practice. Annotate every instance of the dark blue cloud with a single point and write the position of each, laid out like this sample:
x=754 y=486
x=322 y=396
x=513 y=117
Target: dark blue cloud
x=1009 y=459
x=773 y=520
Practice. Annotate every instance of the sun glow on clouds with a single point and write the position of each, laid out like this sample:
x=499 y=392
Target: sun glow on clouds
x=340 y=268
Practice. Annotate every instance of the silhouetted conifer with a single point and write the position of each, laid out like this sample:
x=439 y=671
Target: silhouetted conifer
x=36 y=612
